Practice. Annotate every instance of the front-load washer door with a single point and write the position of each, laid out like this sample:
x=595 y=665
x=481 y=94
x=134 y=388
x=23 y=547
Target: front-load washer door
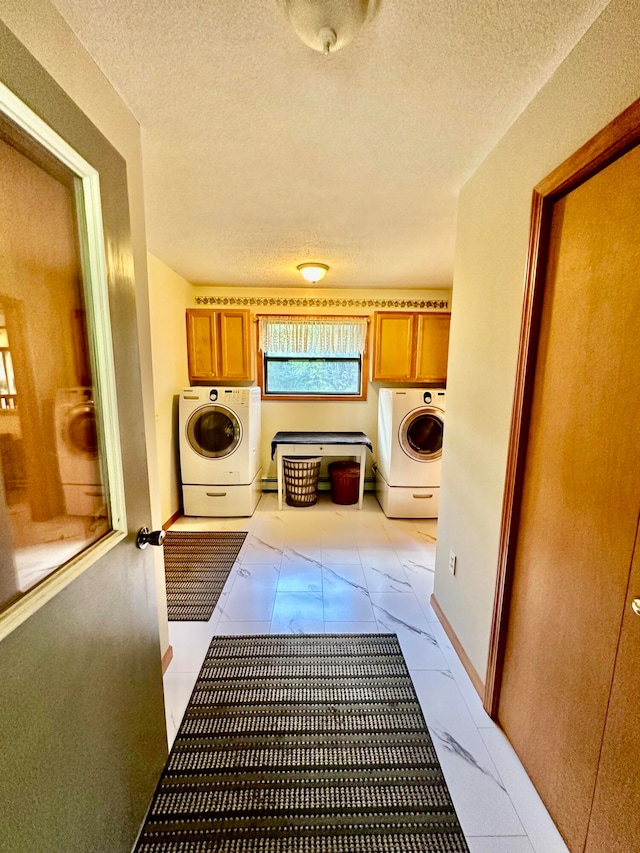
x=420 y=434
x=81 y=433
x=214 y=432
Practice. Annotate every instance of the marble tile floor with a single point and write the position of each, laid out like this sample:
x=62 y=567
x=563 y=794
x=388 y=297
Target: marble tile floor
x=331 y=568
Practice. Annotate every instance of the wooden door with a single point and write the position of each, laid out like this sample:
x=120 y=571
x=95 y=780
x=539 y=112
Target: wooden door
x=394 y=346
x=580 y=503
x=615 y=816
x=432 y=347
x=235 y=345
x=202 y=345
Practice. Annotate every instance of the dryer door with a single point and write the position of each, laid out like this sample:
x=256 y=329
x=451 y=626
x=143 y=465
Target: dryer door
x=81 y=433
x=421 y=432
x=214 y=432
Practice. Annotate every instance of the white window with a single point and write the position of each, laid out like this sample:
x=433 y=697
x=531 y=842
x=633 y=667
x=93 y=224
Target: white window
x=306 y=357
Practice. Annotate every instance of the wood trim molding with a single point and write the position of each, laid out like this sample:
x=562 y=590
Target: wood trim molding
x=614 y=140
x=618 y=137
x=167 y=657
x=172 y=519
x=527 y=351
x=458 y=648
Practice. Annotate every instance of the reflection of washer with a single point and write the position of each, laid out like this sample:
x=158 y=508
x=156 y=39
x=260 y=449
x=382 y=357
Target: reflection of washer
x=410 y=433
x=219 y=450
x=78 y=451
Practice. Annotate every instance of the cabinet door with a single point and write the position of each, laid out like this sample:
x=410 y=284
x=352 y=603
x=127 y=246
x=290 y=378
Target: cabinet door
x=236 y=357
x=202 y=345
x=394 y=346
x=432 y=347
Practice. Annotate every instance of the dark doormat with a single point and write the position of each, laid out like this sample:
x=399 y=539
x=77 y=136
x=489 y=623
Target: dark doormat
x=303 y=744
x=196 y=567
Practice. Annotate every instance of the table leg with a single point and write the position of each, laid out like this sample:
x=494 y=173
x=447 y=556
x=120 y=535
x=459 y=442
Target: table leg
x=363 y=459
x=279 y=467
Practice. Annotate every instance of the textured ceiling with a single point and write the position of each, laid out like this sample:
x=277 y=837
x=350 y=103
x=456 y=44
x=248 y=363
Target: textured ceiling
x=260 y=153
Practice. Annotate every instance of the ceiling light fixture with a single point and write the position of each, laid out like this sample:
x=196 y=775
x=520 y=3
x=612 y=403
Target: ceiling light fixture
x=327 y=25
x=313 y=272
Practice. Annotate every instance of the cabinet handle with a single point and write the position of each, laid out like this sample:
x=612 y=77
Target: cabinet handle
x=216 y=494
x=422 y=497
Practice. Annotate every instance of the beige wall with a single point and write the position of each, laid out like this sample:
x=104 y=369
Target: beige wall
x=597 y=81
x=170 y=295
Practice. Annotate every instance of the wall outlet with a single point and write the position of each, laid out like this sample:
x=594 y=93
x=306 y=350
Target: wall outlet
x=452 y=562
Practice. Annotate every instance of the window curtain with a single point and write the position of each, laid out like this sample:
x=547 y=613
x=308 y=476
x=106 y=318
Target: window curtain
x=313 y=336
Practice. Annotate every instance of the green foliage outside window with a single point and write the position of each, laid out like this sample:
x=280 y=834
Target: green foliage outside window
x=312 y=376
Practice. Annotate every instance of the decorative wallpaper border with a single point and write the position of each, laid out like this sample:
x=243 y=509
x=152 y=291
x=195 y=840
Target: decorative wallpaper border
x=303 y=302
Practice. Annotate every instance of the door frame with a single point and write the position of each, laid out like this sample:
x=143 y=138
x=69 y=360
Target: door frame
x=614 y=140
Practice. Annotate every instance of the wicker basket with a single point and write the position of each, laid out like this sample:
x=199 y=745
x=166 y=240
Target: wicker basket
x=301 y=479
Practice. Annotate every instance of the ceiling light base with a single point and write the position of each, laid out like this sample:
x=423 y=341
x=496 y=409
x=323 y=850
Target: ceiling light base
x=326 y=25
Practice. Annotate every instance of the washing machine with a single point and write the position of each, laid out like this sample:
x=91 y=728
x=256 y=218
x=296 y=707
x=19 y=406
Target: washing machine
x=410 y=433
x=78 y=451
x=220 y=451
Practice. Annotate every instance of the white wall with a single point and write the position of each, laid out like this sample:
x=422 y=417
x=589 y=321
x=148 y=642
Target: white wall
x=169 y=295
x=596 y=82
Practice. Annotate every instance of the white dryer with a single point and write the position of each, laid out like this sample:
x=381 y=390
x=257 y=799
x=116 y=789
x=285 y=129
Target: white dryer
x=78 y=451
x=410 y=433
x=220 y=450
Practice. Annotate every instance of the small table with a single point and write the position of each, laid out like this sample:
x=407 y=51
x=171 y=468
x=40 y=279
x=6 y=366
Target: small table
x=320 y=444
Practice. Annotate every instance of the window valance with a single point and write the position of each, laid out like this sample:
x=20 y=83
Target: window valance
x=313 y=335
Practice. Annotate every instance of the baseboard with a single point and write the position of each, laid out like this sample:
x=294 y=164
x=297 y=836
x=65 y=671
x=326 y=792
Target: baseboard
x=167 y=657
x=477 y=682
x=176 y=515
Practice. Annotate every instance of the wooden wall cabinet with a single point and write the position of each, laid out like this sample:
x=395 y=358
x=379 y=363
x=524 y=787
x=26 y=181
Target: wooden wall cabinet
x=219 y=345
x=410 y=346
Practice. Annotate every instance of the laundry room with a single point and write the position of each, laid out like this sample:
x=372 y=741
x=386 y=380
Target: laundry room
x=173 y=297
x=487 y=150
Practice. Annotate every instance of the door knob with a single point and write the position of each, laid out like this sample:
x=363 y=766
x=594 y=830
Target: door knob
x=146 y=537
x=635 y=606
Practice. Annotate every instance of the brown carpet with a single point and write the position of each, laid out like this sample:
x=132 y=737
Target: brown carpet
x=303 y=744
x=196 y=566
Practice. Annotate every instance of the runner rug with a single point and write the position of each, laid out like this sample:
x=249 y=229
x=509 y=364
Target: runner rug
x=303 y=744
x=196 y=567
